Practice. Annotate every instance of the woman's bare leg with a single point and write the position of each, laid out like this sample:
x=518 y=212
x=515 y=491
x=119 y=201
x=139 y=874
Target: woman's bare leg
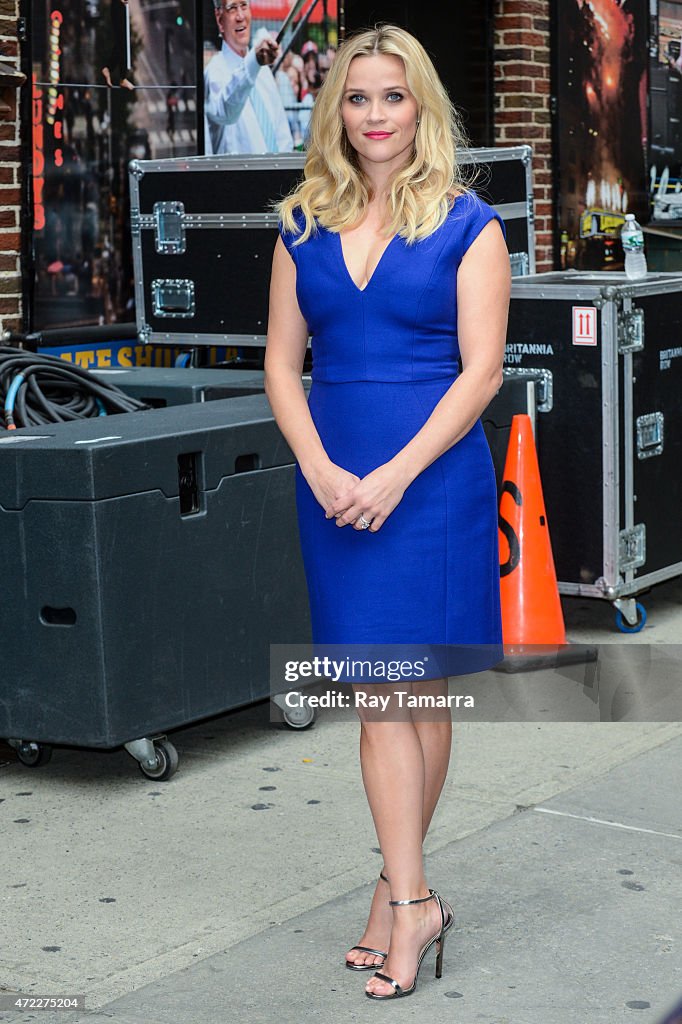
x=404 y=766
x=435 y=736
x=434 y=728
x=377 y=776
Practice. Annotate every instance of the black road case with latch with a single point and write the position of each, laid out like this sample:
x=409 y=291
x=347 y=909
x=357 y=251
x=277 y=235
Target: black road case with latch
x=609 y=426
x=203 y=236
x=150 y=560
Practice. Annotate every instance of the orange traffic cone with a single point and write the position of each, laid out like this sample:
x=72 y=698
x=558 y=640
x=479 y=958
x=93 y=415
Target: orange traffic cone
x=533 y=628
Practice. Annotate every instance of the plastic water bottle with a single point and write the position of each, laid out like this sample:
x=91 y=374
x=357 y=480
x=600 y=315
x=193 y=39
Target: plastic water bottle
x=632 y=238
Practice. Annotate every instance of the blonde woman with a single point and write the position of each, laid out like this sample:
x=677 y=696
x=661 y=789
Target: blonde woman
x=396 y=268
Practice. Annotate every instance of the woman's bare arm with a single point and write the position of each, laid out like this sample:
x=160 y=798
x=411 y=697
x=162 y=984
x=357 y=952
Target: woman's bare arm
x=284 y=355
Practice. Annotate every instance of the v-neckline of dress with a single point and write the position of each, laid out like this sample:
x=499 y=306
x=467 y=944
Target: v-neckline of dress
x=374 y=272
x=361 y=291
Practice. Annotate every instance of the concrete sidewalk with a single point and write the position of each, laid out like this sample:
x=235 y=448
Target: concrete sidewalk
x=558 y=918
x=232 y=892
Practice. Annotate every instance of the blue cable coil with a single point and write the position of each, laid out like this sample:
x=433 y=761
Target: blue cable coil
x=39 y=389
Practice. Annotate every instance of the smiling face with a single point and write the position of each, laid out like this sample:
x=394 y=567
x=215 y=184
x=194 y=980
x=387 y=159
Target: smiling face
x=378 y=110
x=234 y=24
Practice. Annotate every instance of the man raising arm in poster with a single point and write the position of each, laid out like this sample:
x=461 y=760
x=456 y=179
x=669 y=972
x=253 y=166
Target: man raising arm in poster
x=243 y=108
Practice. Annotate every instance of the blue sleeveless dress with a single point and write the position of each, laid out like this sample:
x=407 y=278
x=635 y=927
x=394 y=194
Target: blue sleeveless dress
x=383 y=357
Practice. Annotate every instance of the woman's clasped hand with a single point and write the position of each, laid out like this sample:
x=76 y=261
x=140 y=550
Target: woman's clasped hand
x=347 y=497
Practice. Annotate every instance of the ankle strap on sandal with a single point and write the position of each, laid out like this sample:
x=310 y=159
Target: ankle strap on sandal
x=405 y=903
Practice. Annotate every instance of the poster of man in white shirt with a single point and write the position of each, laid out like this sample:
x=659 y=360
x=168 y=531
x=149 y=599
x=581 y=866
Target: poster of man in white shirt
x=243 y=108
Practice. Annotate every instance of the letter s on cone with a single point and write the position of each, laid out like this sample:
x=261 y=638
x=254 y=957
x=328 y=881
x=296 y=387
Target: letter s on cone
x=531 y=607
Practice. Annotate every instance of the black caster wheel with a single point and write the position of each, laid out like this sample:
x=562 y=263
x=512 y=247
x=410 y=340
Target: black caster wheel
x=33 y=754
x=167 y=762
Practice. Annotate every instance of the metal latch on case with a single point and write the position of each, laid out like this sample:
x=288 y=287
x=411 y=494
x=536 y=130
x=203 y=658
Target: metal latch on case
x=520 y=264
x=649 y=435
x=173 y=297
x=543 y=380
x=632 y=548
x=631 y=330
x=169 y=228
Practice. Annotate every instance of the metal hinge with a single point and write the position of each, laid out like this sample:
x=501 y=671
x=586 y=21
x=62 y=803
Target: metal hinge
x=632 y=548
x=631 y=330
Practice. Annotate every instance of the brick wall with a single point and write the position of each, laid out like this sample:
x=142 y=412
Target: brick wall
x=10 y=176
x=522 y=97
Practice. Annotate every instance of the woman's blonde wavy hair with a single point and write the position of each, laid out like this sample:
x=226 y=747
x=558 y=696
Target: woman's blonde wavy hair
x=335 y=191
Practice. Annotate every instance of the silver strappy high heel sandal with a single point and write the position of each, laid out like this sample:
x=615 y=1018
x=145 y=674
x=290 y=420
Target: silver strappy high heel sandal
x=366 y=949
x=438 y=939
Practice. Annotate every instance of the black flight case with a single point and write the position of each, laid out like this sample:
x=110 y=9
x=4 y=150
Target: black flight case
x=203 y=236
x=149 y=561
x=609 y=426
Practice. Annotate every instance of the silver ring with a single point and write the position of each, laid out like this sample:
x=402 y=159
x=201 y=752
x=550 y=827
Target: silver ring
x=364 y=523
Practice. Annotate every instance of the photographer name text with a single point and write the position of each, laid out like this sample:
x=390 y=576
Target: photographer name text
x=378 y=701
